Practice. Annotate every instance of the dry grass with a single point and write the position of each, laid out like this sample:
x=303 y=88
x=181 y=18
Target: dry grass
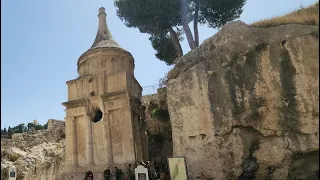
x=307 y=16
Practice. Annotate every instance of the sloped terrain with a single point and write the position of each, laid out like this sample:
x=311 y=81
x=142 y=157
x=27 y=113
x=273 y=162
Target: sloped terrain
x=37 y=155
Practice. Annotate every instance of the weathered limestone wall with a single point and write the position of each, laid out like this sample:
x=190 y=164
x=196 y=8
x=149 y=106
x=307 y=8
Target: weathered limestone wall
x=56 y=124
x=246 y=102
x=52 y=170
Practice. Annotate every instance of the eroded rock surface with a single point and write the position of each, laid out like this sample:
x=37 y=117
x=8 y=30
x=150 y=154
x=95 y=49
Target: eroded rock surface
x=245 y=104
x=36 y=155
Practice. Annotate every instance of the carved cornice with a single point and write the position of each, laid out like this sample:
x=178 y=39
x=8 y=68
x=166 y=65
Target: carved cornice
x=135 y=103
x=114 y=95
x=75 y=103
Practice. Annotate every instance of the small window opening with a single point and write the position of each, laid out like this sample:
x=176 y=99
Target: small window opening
x=97 y=116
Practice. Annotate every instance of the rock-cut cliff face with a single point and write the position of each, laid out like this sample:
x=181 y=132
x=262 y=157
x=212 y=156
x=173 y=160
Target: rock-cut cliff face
x=245 y=104
x=35 y=155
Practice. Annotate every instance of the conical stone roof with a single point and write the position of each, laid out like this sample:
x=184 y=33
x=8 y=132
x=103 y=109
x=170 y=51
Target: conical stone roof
x=104 y=38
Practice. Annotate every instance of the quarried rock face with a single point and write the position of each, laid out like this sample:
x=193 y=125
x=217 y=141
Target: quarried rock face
x=36 y=155
x=245 y=104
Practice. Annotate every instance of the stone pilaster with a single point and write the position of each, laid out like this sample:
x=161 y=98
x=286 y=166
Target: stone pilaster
x=109 y=140
x=74 y=142
x=89 y=142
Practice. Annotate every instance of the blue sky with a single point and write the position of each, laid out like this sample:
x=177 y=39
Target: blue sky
x=41 y=42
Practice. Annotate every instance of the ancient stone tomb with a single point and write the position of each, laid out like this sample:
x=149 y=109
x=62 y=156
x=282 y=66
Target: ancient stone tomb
x=103 y=124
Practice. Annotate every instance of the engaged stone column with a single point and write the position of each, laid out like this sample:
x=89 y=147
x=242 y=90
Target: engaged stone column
x=89 y=144
x=109 y=140
x=74 y=142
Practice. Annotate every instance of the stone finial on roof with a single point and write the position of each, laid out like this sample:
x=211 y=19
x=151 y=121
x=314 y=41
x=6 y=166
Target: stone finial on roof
x=104 y=37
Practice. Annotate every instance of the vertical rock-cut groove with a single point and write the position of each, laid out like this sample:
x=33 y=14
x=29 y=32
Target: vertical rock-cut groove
x=289 y=115
x=215 y=97
x=242 y=74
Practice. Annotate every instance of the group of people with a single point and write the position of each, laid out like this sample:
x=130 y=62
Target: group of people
x=155 y=172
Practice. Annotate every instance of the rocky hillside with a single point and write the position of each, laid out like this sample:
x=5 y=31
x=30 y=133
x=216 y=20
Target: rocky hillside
x=245 y=104
x=36 y=155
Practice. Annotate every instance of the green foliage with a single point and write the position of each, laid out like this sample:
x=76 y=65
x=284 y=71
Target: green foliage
x=13 y=157
x=163 y=44
x=157 y=112
x=152 y=105
x=39 y=127
x=153 y=112
x=159 y=18
x=30 y=126
x=21 y=128
x=149 y=16
x=216 y=13
x=161 y=114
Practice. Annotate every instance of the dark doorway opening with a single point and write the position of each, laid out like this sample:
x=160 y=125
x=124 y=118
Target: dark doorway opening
x=97 y=116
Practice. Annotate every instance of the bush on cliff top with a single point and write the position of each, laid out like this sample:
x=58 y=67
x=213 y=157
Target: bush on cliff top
x=307 y=16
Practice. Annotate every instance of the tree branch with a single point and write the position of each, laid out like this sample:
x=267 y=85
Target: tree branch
x=185 y=24
x=195 y=23
x=176 y=42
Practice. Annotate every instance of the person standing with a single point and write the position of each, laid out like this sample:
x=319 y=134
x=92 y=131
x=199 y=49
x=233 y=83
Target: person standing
x=130 y=171
x=107 y=174
x=88 y=175
x=118 y=173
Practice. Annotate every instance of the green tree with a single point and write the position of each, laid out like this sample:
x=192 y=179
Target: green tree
x=10 y=132
x=45 y=126
x=162 y=19
x=163 y=44
x=5 y=131
x=30 y=126
x=39 y=127
x=19 y=129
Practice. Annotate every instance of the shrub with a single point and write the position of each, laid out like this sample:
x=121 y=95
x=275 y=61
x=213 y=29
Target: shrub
x=160 y=114
x=152 y=105
x=13 y=157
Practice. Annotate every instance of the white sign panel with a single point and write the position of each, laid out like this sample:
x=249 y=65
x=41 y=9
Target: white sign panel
x=12 y=173
x=141 y=173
